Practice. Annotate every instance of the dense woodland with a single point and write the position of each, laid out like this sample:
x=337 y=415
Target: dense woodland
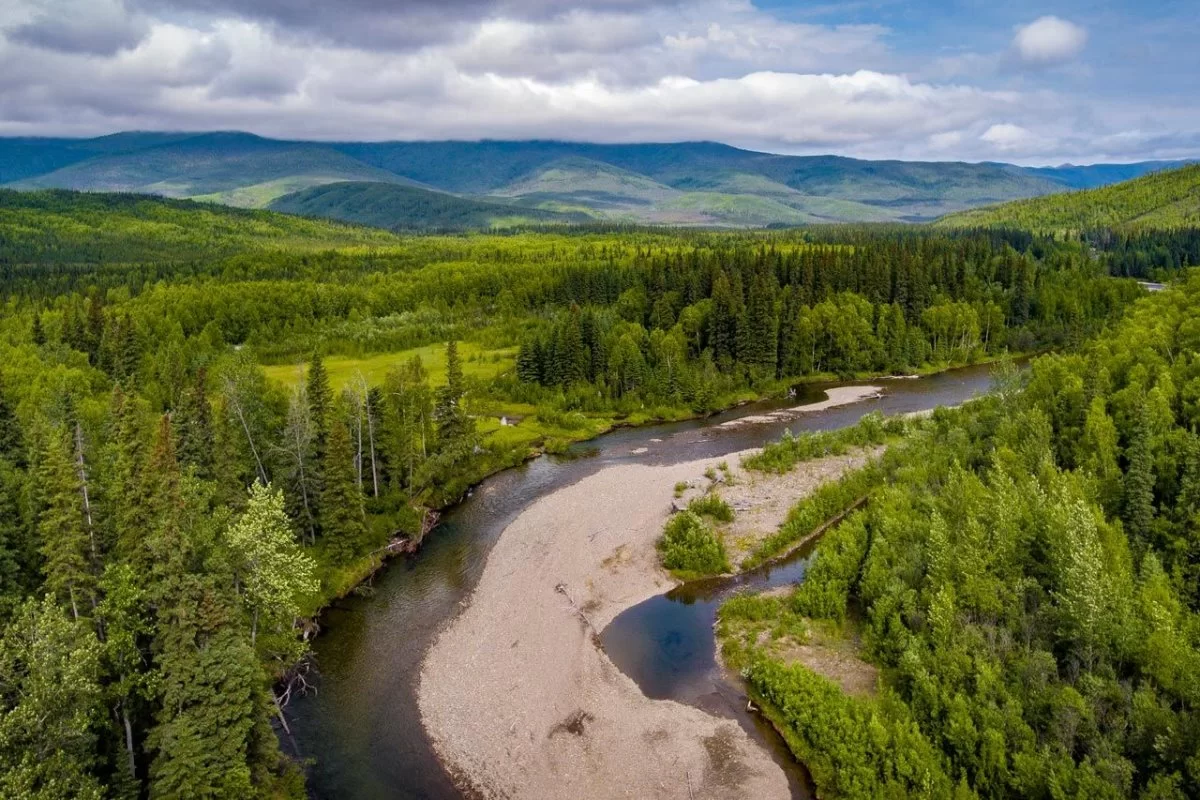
x=1027 y=575
x=170 y=517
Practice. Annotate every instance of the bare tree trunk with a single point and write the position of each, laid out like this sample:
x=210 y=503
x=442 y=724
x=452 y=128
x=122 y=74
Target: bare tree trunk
x=371 y=440
x=237 y=407
x=129 y=754
x=81 y=467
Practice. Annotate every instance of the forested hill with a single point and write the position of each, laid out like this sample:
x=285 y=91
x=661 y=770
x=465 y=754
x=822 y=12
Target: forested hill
x=398 y=207
x=56 y=226
x=682 y=183
x=1164 y=200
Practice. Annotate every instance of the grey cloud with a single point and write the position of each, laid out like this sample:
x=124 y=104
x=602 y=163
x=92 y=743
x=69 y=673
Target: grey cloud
x=384 y=24
x=100 y=27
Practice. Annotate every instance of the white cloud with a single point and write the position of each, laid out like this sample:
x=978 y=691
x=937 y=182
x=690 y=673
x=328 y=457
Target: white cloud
x=606 y=70
x=1049 y=40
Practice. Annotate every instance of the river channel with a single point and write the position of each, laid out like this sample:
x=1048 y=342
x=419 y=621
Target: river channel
x=361 y=727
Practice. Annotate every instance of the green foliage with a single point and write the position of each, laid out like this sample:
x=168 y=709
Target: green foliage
x=343 y=526
x=833 y=573
x=852 y=748
x=820 y=508
x=1166 y=199
x=50 y=706
x=274 y=575
x=690 y=546
x=1026 y=579
x=136 y=412
x=782 y=456
x=67 y=547
x=409 y=208
x=711 y=505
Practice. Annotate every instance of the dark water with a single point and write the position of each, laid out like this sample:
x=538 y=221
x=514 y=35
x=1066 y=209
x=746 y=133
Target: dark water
x=362 y=727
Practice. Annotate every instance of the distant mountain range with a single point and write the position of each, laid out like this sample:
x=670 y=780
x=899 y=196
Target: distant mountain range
x=415 y=185
x=1164 y=199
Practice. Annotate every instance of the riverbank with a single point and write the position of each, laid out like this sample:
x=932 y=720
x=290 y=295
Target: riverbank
x=346 y=579
x=518 y=697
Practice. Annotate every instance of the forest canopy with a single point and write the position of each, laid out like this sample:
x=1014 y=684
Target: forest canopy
x=212 y=422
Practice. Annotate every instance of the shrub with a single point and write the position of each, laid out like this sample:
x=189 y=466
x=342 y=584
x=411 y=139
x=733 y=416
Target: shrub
x=688 y=545
x=711 y=505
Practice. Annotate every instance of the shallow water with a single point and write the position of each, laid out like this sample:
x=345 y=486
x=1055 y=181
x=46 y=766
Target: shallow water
x=362 y=726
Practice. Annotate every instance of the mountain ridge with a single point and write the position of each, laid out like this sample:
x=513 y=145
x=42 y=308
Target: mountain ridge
x=688 y=183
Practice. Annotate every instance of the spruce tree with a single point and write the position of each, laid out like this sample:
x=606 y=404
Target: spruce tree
x=1138 y=503
x=65 y=544
x=12 y=439
x=192 y=421
x=342 y=522
x=18 y=547
x=210 y=684
x=452 y=420
x=722 y=336
x=210 y=696
x=320 y=399
x=36 y=333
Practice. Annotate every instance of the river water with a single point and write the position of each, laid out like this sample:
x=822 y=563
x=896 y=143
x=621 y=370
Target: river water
x=361 y=728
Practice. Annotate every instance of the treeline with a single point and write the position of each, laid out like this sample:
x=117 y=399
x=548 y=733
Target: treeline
x=153 y=608
x=893 y=303
x=1029 y=581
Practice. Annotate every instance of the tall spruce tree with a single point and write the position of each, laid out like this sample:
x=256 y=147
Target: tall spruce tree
x=126 y=486
x=452 y=420
x=1138 y=505
x=210 y=684
x=342 y=521
x=193 y=430
x=12 y=439
x=320 y=400
x=65 y=545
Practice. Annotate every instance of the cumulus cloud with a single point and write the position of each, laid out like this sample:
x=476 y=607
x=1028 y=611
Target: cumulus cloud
x=598 y=70
x=1049 y=40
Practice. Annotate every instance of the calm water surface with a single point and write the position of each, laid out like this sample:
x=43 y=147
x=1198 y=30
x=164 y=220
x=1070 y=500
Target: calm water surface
x=362 y=728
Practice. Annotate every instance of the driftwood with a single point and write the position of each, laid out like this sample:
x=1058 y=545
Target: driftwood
x=403 y=543
x=562 y=589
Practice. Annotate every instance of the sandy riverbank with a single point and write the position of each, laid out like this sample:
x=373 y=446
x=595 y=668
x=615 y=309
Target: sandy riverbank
x=834 y=398
x=518 y=697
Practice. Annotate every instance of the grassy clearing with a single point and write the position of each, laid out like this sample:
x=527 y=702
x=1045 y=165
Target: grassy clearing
x=478 y=362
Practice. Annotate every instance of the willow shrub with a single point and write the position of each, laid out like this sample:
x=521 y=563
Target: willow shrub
x=779 y=457
x=690 y=546
x=711 y=505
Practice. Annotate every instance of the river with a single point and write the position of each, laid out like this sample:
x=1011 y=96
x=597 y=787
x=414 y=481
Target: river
x=361 y=727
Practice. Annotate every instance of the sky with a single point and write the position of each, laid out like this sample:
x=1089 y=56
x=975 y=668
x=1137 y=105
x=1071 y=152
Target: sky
x=997 y=80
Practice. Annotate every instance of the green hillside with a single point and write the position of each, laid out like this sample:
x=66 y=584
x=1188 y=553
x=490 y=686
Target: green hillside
x=582 y=181
x=398 y=207
x=231 y=168
x=58 y=226
x=1167 y=199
